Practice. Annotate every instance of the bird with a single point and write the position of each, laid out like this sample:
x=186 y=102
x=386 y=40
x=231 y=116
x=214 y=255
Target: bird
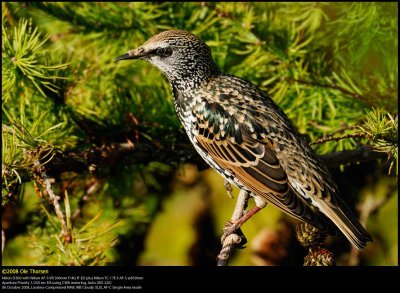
x=246 y=137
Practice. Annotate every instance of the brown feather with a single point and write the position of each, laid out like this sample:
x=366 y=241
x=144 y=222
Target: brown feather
x=263 y=176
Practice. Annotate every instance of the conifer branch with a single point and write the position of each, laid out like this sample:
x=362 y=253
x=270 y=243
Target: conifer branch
x=361 y=154
x=145 y=152
x=337 y=138
x=47 y=182
x=84 y=199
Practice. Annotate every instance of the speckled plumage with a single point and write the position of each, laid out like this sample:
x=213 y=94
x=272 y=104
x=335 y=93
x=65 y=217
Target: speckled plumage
x=240 y=132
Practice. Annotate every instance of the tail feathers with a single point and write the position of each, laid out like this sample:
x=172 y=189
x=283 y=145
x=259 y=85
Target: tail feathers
x=348 y=224
x=354 y=231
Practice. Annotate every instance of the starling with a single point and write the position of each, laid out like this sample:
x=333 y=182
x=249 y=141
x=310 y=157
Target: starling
x=241 y=133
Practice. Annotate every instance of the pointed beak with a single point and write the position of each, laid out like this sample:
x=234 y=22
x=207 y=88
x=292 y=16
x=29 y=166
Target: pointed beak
x=133 y=54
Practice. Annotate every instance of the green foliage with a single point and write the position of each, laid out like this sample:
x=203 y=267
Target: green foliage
x=330 y=66
x=22 y=55
x=383 y=130
x=84 y=246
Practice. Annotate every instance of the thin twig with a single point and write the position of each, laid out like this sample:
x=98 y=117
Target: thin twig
x=345 y=128
x=47 y=183
x=84 y=199
x=230 y=241
x=337 y=138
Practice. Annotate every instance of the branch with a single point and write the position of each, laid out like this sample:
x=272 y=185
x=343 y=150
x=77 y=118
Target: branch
x=361 y=154
x=47 y=182
x=108 y=155
x=337 y=138
x=144 y=153
x=89 y=191
x=234 y=239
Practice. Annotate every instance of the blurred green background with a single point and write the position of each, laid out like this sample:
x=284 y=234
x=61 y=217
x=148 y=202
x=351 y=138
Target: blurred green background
x=130 y=186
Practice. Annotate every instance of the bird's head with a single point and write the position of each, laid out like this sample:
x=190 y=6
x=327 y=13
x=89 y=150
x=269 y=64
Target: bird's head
x=183 y=57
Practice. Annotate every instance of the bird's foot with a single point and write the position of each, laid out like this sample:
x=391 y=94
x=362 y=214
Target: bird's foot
x=233 y=229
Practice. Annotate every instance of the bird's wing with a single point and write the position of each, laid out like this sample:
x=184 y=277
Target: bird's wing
x=234 y=148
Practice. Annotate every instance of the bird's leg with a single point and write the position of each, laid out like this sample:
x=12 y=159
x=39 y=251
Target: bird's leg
x=228 y=188
x=233 y=236
x=233 y=226
x=240 y=216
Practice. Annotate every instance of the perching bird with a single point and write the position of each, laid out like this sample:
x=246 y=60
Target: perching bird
x=241 y=133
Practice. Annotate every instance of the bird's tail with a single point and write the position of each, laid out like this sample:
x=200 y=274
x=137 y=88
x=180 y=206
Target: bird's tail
x=348 y=224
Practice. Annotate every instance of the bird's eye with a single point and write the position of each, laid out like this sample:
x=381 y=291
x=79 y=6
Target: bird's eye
x=164 y=52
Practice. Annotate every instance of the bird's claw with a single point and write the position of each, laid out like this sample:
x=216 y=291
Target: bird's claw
x=229 y=229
